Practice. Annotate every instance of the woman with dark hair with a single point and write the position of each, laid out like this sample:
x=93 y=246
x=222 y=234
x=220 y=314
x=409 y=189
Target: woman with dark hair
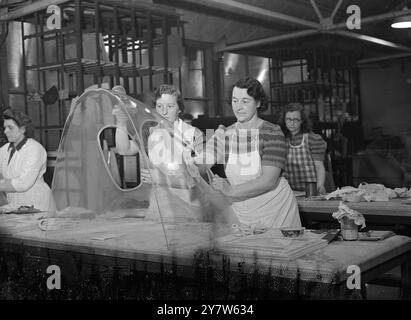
x=23 y=161
x=306 y=150
x=254 y=154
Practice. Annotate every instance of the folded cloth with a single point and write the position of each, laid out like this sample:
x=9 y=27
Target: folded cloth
x=403 y=192
x=375 y=235
x=339 y=192
x=245 y=230
x=19 y=210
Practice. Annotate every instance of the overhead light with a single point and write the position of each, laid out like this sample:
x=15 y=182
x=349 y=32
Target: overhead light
x=402 y=22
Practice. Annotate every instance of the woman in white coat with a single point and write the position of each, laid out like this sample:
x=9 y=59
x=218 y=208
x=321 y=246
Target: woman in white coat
x=23 y=162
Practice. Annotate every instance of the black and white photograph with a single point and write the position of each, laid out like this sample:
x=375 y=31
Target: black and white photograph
x=201 y=157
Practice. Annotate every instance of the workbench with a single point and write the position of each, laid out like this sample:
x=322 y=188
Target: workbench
x=129 y=247
x=392 y=212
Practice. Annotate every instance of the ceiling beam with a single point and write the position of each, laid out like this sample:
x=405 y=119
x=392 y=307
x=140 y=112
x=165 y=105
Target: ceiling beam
x=269 y=40
x=11 y=3
x=376 y=18
x=330 y=30
x=336 y=9
x=384 y=58
x=371 y=39
x=317 y=11
x=244 y=9
x=304 y=33
x=29 y=8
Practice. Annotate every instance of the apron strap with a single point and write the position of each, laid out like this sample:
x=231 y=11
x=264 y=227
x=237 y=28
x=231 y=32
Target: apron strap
x=257 y=140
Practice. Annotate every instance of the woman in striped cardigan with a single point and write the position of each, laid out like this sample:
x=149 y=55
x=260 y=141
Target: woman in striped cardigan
x=253 y=152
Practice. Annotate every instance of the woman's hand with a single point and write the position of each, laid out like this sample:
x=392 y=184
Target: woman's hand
x=220 y=132
x=194 y=163
x=191 y=166
x=222 y=185
x=321 y=189
x=187 y=157
x=120 y=115
x=145 y=176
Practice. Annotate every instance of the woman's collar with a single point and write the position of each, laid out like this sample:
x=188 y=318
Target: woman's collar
x=19 y=145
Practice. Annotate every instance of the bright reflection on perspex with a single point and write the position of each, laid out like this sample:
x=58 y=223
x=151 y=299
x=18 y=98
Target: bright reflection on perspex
x=135 y=200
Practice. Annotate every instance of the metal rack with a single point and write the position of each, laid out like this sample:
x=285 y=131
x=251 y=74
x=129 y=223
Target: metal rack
x=98 y=42
x=324 y=72
x=326 y=84
x=105 y=67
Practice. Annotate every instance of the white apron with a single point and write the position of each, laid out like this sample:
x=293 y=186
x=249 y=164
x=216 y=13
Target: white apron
x=273 y=209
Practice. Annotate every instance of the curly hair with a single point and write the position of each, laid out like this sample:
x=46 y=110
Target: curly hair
x=21 y=119
x=171 y=90
x=291 y=107
x=254 y=89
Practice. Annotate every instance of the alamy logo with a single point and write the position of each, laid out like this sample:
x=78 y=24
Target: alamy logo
x=53 y=281
x=354 y=280
x=354 y=20
x=54 y=21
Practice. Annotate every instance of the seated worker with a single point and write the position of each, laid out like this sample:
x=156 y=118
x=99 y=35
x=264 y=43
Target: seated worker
x=23 y=162
x=253 y=152
x=168 y=103
x=305 y=149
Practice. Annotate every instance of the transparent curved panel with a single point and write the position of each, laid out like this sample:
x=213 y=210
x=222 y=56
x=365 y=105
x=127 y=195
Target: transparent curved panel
x=147 y=199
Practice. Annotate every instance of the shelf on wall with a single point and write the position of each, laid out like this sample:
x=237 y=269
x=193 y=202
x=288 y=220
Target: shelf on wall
x=130 y=44
x=106 y=68
x=310 y=83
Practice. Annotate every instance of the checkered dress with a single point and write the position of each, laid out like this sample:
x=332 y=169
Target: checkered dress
x=300 y=167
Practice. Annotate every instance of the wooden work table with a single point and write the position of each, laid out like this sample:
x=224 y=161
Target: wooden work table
x=122 y=243
x=390 y=212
